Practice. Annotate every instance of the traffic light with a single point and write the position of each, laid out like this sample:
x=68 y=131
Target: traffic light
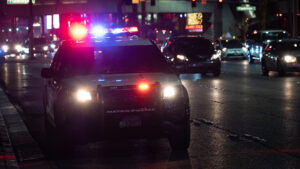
x=220 y=3
x=194 y=3
x=152 y=2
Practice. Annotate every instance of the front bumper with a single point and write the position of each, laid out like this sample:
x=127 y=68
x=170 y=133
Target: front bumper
x=292 y=67
x=234 y=55
x=199 y=67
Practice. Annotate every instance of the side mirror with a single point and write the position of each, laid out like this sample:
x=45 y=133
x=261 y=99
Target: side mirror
x=47 y=73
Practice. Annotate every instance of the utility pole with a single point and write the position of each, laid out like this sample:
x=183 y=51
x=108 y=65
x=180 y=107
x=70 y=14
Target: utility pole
x=30 y=33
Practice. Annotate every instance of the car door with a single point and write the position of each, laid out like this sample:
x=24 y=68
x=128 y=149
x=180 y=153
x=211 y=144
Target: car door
x=53 y=83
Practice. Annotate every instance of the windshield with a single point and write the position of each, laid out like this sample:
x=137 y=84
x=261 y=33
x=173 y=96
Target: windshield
x=38 y=41
x=194 y=46
x=115 y=59
x=274 y=35
x=232 y=44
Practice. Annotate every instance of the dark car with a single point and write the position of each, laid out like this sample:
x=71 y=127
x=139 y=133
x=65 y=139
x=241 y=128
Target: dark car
x=191 y=54
x=258 y=40
x=113 y=89
x=282 y=56
x=40 y=45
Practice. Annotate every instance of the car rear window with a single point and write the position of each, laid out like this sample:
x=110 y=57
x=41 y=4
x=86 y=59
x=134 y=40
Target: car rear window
x=115 y=59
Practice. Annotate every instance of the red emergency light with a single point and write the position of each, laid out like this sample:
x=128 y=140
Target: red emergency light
x=78 y=32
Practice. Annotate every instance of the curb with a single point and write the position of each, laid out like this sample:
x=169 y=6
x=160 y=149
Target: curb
x=23 y=150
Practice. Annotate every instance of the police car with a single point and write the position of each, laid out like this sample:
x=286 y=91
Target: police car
x=111 y=88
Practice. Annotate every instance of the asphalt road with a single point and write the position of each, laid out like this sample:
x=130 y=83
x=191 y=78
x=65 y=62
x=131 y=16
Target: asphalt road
x=239 y=120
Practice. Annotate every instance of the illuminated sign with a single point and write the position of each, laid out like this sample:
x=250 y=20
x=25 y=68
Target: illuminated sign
x=188 y=27
x=194 y=22
x=194 y=18
x=245 y=8
x=194 y=28
x=135 y=1
x=19 y=2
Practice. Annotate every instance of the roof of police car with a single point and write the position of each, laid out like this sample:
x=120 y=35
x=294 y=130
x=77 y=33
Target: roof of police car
x=110 y=42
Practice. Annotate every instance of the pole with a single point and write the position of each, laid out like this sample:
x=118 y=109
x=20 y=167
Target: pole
x=30 y=26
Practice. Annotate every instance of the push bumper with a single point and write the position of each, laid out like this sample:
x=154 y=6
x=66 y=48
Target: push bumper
x=92 y=122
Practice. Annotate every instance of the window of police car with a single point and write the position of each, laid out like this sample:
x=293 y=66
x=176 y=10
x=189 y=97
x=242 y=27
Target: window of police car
x=110 y=60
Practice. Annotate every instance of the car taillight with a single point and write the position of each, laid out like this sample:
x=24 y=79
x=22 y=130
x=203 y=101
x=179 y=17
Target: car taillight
x=143 y=87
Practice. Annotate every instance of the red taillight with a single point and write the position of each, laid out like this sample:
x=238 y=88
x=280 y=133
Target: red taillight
x=78 y=32
x=169 y=42
x=143 y=86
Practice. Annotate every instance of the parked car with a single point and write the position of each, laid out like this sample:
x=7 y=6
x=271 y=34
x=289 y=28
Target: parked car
x=258 y=40
x=282 y=56
x=192 y=54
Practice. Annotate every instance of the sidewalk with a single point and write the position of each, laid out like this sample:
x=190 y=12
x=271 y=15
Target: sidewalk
x=17 y=147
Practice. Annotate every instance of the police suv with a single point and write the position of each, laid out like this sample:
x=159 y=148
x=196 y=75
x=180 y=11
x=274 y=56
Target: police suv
x=113 y=88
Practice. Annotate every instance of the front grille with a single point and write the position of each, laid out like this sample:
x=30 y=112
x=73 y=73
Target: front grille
x=118 y=99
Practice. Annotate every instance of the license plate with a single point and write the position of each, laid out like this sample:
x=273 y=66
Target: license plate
x=130 y=122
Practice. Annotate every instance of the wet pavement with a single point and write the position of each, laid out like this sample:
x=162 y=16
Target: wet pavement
x=239 y=120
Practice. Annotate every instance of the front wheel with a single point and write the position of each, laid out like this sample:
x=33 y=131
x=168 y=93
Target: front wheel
x=264 y=69
x=281 y=70
x=250 y=59
x=181 y=140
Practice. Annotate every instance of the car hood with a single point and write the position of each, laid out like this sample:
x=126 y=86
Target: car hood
x=290 y=52
x=92 y=81
x=195 y=56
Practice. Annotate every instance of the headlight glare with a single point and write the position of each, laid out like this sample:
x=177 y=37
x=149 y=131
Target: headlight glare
x=5 y=48
x=182 y=57
x=18 y=48
x=169 y=92
x=52 y=46
x=83 y=95
x=45 y=48
x=244 y=49
x=224 y=49
x=290 y=59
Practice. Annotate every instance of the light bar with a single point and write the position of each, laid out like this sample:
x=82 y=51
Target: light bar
x=78 y=32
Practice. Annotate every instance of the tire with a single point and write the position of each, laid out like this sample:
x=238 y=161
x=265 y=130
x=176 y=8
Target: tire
x=57 y=142
x=281 y=71
x=264 y=69
x=250 y=59
x=217 y=72
x=179 y=139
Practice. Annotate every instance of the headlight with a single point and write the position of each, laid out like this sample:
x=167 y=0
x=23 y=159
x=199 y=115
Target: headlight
x=290 y=59
x=169 y=92
x=216 y=55
x=52 y=46
x=224 y=49
x=244 y=49
x=182 y=57
x=18 y=48
x=45 y=48
x=5 y=48
x=83 y=95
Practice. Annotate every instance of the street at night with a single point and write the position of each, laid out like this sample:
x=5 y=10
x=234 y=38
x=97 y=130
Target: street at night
x=238 y=120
